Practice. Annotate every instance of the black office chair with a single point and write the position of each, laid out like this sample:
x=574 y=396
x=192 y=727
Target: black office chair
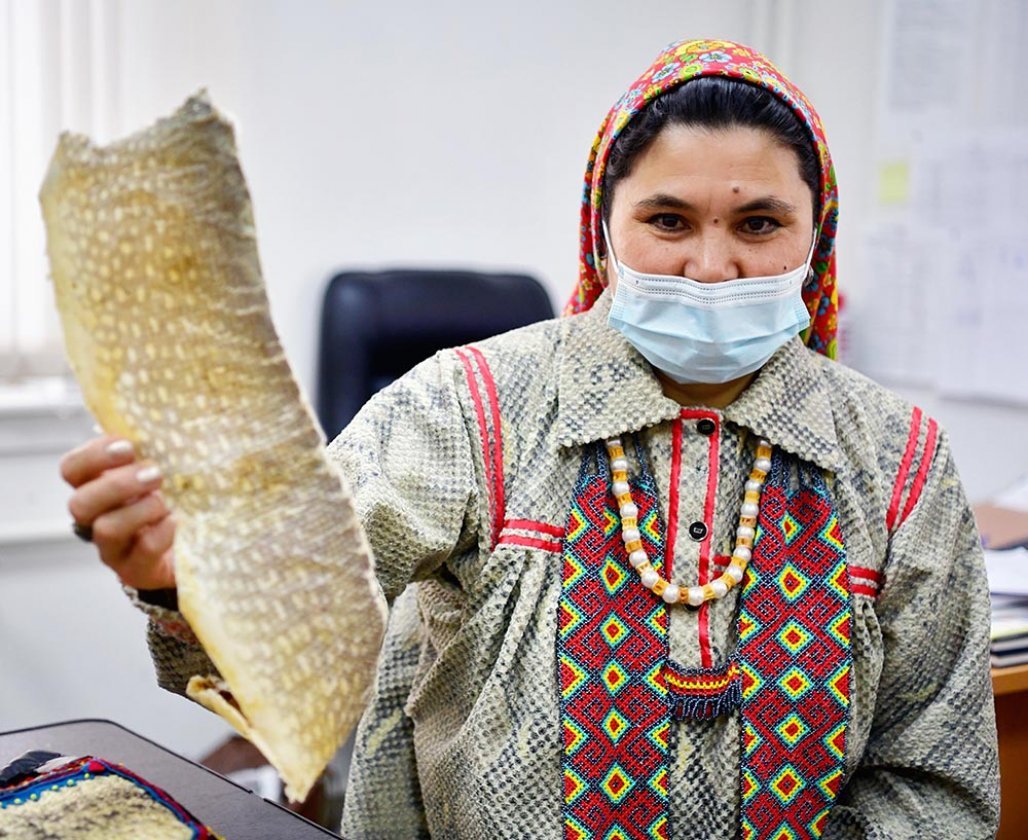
x=375 y=326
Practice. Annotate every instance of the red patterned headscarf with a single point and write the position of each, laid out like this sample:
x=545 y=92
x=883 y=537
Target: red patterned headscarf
x=679 y=63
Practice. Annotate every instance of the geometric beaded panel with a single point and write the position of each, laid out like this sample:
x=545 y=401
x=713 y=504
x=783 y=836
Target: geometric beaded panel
x=611 y=648
x=795 y=659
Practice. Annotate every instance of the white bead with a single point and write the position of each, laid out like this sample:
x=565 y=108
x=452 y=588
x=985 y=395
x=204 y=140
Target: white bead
x=764 y=443
x=745 y=532
x=695 y=596
x=630 y=534
x=629 y=511
x=649 y=578
x=742 y=552
x=620 y=488
x=613 y=442
x=748 y=509
x=734 y=572
x=619 y=464
x=762 y=464
x=671 y=594
x=753 y=486
x=637 y=558
x=719 y=587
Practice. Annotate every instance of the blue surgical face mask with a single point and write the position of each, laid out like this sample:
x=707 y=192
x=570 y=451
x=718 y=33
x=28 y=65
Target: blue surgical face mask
x=707 y=332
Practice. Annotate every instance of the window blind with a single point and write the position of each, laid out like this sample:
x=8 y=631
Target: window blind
x=58 y=70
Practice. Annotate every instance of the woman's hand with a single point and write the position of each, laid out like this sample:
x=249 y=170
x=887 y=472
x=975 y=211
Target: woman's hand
x=117 y=497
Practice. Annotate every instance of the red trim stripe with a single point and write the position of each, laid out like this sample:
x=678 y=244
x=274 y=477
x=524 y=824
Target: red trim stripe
x=532 y=525
x=863 y=589
x=530 y=542
x=500 y=505
x=922 y=470
x=672 y=517
x=904 y=471
x=867 y=574
x=708 y=518
x=476 y=397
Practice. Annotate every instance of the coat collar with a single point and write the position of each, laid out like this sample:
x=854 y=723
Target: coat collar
x=606 y=388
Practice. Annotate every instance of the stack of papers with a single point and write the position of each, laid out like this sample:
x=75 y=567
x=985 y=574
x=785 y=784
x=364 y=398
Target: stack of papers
x=1008 y=583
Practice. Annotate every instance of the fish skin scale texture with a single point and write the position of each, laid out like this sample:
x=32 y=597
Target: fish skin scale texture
x=167 y=327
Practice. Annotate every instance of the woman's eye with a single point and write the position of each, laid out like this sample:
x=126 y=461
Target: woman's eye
x=760 y=225
x=667 y=221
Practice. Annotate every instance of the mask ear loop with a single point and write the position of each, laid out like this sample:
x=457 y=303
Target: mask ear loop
x=610 y=249
x=810 y=262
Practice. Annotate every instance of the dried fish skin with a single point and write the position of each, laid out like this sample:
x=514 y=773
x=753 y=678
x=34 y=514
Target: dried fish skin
x=167 y=327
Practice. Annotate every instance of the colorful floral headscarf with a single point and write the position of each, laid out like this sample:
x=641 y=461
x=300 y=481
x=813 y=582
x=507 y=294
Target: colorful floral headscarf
x=679 y=63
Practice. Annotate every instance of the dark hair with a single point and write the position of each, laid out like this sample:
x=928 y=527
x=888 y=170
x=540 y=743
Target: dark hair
x=713 y=102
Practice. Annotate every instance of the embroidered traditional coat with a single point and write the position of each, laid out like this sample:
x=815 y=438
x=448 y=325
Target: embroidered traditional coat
x=531 y=688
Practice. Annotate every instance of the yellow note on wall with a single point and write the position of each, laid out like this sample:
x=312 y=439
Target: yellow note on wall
x=894 y=182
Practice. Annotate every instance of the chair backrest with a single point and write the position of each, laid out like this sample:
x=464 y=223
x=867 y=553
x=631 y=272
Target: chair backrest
x=375 y=326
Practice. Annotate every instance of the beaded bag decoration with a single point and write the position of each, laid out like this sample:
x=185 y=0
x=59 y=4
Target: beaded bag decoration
x=89 y=798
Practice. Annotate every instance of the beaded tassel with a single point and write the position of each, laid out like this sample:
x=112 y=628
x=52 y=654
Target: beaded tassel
x=694 y=596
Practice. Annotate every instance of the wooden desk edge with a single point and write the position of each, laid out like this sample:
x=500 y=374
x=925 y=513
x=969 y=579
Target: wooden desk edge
x=1010 y=680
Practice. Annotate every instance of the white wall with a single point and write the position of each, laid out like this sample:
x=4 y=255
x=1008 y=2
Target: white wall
x=414 y=133
x=400 y=133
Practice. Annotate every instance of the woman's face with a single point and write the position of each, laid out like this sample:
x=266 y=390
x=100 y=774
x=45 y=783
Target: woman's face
x=712 y=205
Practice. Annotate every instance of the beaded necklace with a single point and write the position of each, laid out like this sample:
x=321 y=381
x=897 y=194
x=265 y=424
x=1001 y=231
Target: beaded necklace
x=694 y=596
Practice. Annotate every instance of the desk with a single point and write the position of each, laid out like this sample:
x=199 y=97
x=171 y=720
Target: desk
x=229 y=809
x=1010 y=685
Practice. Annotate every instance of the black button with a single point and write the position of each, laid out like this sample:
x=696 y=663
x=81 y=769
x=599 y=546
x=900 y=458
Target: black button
x=697 y=531
x=706 y=426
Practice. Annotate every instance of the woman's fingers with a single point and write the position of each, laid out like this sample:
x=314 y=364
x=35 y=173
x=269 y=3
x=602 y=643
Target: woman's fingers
x=149 y=563
x=114 y=488
x=116 y=530
x=116 y=496
x=88 y=461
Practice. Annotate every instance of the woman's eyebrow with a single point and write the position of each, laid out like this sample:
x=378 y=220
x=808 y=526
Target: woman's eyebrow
x=767 y=202
x=661 y=200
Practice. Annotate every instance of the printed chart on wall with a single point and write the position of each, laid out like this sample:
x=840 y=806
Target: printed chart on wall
x=946 y=257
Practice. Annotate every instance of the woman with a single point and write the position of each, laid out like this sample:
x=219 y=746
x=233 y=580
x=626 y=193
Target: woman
x=677 y=574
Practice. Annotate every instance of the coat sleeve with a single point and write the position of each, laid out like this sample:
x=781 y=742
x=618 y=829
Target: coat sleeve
x=383 y=796
x=407 y=457
x=930 y=768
